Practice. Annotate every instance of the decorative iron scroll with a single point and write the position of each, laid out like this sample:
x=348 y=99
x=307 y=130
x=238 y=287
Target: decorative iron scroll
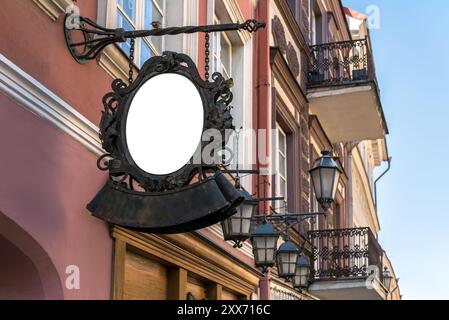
x=344 y=253
x=87 y=39
x=195 y=196
x=216 y=96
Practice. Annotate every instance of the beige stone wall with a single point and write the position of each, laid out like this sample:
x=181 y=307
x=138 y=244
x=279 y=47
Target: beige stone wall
x=364 y=212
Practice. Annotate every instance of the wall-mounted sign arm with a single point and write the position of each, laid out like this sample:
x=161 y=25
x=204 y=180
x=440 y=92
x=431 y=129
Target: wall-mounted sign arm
x=87 y=39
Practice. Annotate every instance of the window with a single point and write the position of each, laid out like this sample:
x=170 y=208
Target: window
x=139 y=14
x=292 y=5
x=313 y=28
x=316 y=21
x=222 y=53
x=231 y=54
x=281 y=170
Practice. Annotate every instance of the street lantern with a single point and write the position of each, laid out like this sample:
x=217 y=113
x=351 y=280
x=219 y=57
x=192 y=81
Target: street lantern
x=264 y=240
x=237 y=228
x=286 y=258
x=387 y=277
x=302 y=273
x=325 y=175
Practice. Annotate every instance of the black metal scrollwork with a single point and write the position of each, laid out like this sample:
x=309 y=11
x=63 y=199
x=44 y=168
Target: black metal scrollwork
x=94 y=38
x=216 y=94
x=171 y=203
x=340 y=62
x=344 y=253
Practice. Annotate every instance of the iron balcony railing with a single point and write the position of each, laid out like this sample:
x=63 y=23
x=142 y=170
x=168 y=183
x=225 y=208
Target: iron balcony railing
x=341 y=63
x=345 y=254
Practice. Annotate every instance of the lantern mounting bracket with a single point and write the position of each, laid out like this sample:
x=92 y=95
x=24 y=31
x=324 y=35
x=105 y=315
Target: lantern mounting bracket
x=288 y=220
x=93 y=38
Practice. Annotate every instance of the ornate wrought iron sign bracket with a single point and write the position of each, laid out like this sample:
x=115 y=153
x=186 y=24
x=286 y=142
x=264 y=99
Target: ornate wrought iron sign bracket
x=191 y=196
x=87 y=39
x=154 y=130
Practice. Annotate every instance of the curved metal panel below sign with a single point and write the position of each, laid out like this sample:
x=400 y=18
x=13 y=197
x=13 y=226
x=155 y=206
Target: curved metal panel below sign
x=194 y=207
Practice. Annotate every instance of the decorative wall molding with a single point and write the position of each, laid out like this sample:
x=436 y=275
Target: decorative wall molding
x=278 y=32
x=292 y=58
x=282 y=291
x=53 y=8
x=35 y=97
x=115 y=63
x=292 y=26
x=286 y=78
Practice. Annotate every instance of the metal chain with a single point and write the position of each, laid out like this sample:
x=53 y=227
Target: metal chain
x=131 y=61
x=206 y=66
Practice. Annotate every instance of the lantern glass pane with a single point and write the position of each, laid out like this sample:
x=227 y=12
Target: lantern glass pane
x=316 y=183
x=236 y=224
x=270 y=255
x=337 y=178
x=259 y=243
x=281 y=263
x=286 y=263
x=292 y=263
x=304 y=271
x=246 y=210
x=303 y=281
x=296 y=281
x=246 y=226
x=327 y=182
x=271 y=241
x=259 y=255
x=387 y=284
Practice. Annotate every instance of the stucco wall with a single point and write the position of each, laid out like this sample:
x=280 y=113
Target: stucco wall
x=36 y=44
x=47 y=180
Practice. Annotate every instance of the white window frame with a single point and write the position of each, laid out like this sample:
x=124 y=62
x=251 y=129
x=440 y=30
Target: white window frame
x=174 y=15
x=139 y=24
x=217 y=63
x=227 y=11
x=313 y=27
x=281 y=177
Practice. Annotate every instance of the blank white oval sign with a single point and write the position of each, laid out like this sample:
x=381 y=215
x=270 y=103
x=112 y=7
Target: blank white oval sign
x=164 y=124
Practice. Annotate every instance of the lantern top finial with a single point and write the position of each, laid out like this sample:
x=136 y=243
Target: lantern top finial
x=326 y=152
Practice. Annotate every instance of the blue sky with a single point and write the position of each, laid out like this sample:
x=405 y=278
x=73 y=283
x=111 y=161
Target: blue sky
x=411 y=50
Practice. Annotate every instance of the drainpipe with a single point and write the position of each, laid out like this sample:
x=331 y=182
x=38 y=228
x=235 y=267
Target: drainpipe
x=377 y=180
x=262 y=107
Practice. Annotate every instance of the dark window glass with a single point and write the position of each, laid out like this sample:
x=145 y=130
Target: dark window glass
x=292 y=4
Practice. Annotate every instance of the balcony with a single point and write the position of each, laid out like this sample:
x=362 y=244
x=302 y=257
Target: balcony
x=347 y=265
x=343 y=91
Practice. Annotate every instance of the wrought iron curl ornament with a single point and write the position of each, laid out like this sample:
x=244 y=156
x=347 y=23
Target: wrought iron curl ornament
x=216 y=95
